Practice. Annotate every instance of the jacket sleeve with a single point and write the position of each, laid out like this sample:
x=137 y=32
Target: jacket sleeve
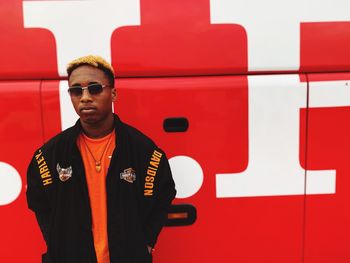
x=37 y=198
x=164 y=194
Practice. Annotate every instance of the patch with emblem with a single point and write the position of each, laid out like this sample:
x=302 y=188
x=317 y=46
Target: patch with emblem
x=128 y=175
x=64 y=173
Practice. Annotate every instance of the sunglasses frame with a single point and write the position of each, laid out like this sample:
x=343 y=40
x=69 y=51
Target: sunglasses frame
x=85 y=88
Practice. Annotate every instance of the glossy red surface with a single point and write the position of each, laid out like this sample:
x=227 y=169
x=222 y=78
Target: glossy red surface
x=217 y=110
x=166 y=62
x=20 y=135
x=327 y=228
x=25 y=53
x=175 y=38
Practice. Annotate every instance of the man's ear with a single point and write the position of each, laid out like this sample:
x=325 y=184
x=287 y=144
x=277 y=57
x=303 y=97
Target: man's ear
x=114 y=94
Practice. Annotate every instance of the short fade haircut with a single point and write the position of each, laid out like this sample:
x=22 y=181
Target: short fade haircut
x=93 y=61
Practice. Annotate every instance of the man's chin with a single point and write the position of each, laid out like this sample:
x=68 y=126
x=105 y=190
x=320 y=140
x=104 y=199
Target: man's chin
x=89 y=120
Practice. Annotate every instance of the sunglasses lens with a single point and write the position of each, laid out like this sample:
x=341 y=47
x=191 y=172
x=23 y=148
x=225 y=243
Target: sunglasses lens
x=75 y=91
x=95 y=89
x=78 y=91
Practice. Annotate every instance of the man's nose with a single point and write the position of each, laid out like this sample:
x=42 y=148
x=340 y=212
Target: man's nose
x=85 y=96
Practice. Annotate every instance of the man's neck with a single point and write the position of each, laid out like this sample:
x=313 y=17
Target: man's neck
x=99 y=130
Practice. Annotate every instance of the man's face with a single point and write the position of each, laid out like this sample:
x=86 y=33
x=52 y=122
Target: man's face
x=92 y=108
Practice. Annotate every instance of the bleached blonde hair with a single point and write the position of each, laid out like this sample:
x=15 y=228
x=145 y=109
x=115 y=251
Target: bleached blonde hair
x=94 y=61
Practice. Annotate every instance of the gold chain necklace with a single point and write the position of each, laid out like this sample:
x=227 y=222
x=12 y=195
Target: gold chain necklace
x=98 y=163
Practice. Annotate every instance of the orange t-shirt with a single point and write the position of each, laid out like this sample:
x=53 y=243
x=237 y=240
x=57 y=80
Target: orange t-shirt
x=96 y=182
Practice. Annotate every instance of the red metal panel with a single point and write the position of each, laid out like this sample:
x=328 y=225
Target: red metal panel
x=262 y=229
x=327 y=216
x=20 y=134
x=176 y=38
x=50 y=108
x=25 y=53
x=324 y=47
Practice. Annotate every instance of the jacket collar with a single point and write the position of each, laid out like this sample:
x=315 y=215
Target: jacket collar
x=77 y=128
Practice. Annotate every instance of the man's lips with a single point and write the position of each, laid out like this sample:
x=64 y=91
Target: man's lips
x=87 y=109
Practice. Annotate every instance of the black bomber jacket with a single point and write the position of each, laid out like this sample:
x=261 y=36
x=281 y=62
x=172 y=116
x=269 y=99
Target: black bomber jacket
x=139 y=188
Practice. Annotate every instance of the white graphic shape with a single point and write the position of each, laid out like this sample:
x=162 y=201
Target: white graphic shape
x=274 y=168
x=274 y=37
x=10 y=184
x=68 y=114
x=187 y=174
x=81 y=27
x=329 y=93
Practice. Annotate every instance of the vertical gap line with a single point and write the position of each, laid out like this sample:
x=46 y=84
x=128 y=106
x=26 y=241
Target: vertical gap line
x=306 y=166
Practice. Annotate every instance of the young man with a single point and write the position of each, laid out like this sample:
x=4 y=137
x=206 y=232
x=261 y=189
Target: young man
x=100 y=190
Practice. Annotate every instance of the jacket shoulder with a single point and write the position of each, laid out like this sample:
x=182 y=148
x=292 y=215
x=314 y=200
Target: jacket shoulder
x=138 y=138
x=62 y=137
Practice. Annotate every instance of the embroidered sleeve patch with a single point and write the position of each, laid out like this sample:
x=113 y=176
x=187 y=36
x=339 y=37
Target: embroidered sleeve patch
x=43 y=169
x=128 y=175
x=152 y=172
x=64 y=173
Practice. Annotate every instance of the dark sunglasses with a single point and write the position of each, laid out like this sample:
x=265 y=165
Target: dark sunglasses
x=93 y=89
